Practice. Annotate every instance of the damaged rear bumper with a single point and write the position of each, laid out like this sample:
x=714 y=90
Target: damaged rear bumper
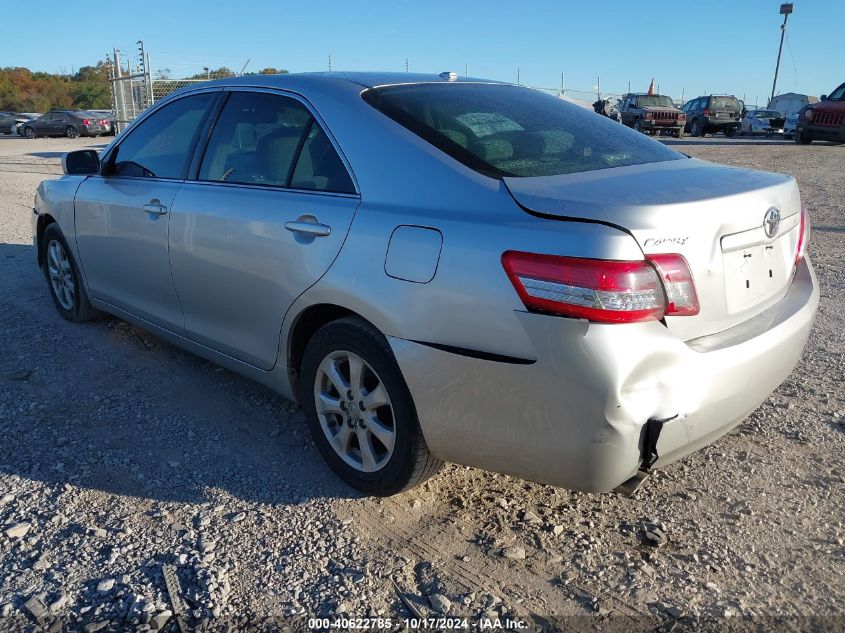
x=576 y=416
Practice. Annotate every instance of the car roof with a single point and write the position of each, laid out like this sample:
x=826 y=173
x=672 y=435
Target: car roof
x=326 y=79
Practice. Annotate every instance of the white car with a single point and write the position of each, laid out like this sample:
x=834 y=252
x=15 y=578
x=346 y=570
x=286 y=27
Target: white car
x=766 y=122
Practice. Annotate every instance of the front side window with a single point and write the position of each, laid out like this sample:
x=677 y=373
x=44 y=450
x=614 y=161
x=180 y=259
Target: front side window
x=501 y=130
x=266 y=139
x=161 y=146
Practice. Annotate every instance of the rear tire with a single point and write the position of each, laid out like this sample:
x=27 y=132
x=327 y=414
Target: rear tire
x=697 y=130
x=71 y=132
x=402 y=460
x=63 y=280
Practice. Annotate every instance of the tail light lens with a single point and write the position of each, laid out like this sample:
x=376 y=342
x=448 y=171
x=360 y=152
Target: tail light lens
x=707 y=112
x=84 y=121
x=604 y=291
x=598 y=290
x=103 y=121
x=681 y=298
x=803 y=235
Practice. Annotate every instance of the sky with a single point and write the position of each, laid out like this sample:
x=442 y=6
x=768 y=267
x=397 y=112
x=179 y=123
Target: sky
x=689 y=48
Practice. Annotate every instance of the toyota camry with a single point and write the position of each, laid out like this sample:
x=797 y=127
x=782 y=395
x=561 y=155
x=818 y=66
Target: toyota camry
x=442 y=269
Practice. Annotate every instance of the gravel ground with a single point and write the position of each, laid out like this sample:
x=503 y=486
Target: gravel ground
x=122 y=456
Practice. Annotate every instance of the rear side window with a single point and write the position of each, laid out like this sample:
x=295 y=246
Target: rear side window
x=255 y=140
x=501 y=130
x=272 y=140
x=162 y=144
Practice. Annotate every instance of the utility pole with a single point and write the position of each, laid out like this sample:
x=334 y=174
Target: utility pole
x=517 y=76
x=406 y=64
x=562 y=83
x=466 y=69
x=598 y=88
x=330 y=62
x=785 y=10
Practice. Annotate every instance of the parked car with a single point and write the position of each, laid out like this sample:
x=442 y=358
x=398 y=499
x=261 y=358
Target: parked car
x=823 y=121
x=766 y=122
x=70 y=123
x=11 y=121
x=107 y=119
x=791 y=121
x=439 y=269
x=713 y=114
x=652 y=114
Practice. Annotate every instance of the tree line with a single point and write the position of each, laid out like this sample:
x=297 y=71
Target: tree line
x=22 y=90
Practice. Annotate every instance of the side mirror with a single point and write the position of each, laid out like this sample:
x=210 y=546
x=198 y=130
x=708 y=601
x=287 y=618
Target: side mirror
x=823 y=98
x=82 y=162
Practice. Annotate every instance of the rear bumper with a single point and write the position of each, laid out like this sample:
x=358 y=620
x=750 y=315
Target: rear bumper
x=710 y=122
x=575 y=417
x=823 y=132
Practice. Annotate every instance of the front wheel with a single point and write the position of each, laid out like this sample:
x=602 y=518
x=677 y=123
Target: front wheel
x=801 y=138
x=638 y=126
x=63 y=278
x=360 y=412
x=71 y=132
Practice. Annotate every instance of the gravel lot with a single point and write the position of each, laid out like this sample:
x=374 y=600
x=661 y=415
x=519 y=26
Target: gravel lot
x=121 y=454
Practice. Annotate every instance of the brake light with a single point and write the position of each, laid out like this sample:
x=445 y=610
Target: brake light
x=598 y=290
x=674 y=271
x=84 y=121
x=707 y=112
x=103 y=122
x=803 y=235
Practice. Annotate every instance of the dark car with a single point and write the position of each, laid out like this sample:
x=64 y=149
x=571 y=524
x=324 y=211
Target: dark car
x=11 y=121
x=823 y=121
x=652 y=113
x=713 y=113
x=108 y=120
x=70 y=123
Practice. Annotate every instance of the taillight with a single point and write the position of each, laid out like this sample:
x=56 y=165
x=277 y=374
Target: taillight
x=598 y=290
x=103 y=122
x=681 y=298
x=707 y=112
x=84 y=121
x=803 y=235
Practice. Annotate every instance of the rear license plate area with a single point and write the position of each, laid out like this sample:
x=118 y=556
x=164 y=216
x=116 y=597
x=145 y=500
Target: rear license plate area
x=756 y=273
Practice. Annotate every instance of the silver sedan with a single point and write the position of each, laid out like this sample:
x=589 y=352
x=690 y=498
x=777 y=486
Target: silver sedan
x=442 y=269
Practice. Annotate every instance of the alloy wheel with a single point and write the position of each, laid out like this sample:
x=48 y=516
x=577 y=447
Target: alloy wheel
x=61 y=275
x=71 y=132
x=354 y=411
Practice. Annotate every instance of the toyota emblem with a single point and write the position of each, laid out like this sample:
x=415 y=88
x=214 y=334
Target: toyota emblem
x=771 y=222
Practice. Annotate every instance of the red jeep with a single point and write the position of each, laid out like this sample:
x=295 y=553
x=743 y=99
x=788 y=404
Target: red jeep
x=824 y=121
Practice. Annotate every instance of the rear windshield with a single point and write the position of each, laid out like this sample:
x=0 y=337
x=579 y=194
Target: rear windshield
x=724 y=102
x=655 y=101
x=501 y=130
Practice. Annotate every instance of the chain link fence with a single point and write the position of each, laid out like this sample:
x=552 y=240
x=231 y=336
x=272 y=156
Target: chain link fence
x=132 y=94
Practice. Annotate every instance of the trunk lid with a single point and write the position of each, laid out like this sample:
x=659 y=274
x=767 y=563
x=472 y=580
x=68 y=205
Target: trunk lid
x=711 y=214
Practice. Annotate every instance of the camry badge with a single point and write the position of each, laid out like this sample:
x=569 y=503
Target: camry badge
x=771 y=222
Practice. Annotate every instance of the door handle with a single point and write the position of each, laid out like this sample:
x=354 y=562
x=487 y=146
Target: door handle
x=156 y=208
x=309 y=228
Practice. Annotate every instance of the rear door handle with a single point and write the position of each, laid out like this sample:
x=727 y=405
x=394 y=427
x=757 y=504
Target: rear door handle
x=156 y=208
x=309 y=228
